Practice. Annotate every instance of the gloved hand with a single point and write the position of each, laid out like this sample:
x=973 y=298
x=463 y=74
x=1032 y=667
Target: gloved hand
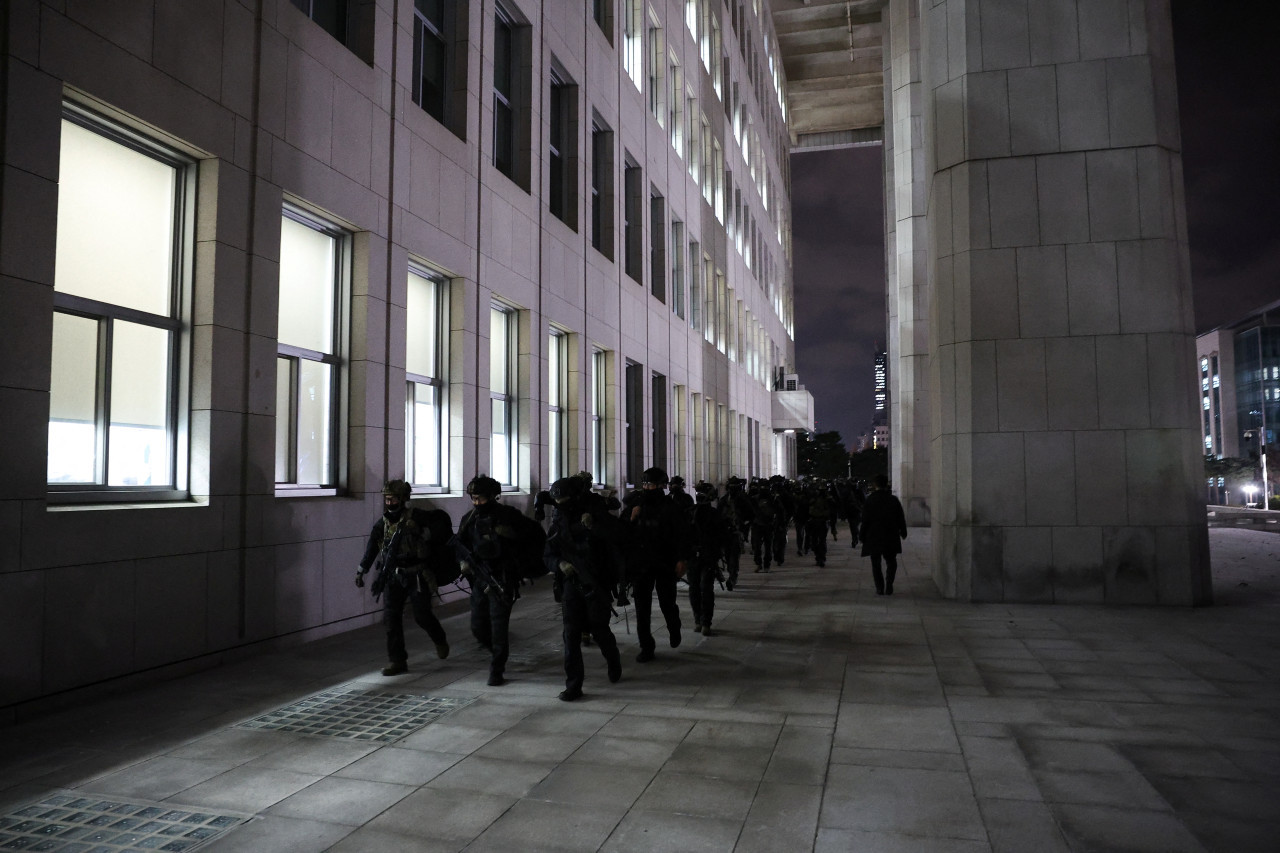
x=360 y=577
x=567 y=569
x=506 y=531
x=466 y=569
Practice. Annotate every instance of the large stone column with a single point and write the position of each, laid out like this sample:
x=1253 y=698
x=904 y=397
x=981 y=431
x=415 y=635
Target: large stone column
x=906 y=262
x=1066 y=458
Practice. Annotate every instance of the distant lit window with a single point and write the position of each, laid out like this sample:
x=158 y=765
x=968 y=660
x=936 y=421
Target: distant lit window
x=118 y=404
x=633 y=41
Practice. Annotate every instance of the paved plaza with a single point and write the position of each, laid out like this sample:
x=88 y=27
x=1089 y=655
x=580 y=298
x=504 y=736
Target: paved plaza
x=820 y=716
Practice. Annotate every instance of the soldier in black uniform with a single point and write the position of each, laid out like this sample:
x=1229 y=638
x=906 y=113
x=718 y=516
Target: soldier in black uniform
x=764 y=517
x=818 y=512
x=800 y=514
x=737 y=511
x=679 y=496
x=404 y=542
x=711 y=531
x=658 y=552
x=488 y=537
x=786 y=507
x=582 y=561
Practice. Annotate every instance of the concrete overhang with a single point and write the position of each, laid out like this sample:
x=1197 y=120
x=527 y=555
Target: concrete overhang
x=792 y=410
x=833 y=58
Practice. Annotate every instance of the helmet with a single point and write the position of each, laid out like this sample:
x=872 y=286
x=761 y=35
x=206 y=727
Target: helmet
x=586 y=477
x=705 y=492
x=677 y=482
x=566 y=488
x=484 y=486
x=654 y=475
x=397 y=489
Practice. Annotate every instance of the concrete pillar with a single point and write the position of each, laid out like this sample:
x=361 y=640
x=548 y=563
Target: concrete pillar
x=1065 y=443
x=906 y=245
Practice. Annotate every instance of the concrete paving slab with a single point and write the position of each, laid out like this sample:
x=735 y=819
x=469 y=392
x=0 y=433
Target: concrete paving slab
x=821 y=717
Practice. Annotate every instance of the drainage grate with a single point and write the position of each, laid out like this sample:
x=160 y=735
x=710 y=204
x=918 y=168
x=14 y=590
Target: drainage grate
x=367 y=715
x=70 y=823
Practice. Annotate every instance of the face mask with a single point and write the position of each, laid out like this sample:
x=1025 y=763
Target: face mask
x=391 y=513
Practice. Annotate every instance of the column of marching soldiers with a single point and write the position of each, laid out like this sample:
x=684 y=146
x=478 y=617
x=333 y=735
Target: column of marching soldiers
x=602 y=553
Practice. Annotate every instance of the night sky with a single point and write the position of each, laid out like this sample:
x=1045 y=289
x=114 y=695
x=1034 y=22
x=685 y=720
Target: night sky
x=1228 y=90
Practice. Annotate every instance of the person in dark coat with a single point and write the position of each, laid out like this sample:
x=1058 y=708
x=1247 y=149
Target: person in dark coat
x=659 y=546
x=583 y=565
x=405 y=542
x=884 y=526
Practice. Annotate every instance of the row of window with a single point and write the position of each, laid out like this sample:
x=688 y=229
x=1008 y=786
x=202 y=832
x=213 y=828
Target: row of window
x=119 y=393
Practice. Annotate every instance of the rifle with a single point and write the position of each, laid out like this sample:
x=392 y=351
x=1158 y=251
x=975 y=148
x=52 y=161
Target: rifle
x=386 y=564
x=480 y=567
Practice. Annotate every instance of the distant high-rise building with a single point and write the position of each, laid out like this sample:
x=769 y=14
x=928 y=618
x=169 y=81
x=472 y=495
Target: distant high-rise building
x=1239 y=379
x=881 y=415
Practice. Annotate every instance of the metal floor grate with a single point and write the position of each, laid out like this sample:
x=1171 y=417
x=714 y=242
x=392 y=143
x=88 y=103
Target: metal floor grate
x=71 y=823
x=368 y=715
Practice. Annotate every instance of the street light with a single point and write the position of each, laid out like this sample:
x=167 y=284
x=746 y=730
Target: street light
x=1250 y=490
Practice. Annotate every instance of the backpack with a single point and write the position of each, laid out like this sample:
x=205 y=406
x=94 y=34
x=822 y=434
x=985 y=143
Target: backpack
x=528 y=546
x=442 y=560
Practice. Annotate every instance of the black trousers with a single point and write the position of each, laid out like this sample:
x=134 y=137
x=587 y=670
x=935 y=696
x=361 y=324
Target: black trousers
x=762 y=546
x=779 y=542
x=733 y=556
x=817 y=532
x=585 y=614
x=702 y=592
x=393 y=601
x=490 y=617
x=663 y=581
x=884 y=581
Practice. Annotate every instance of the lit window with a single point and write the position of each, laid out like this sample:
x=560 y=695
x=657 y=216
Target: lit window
x=503 y=400
x=314 y=269
x=599 y=435
x=557 y=405
x=118 y=406
x=695 y=286
x=657 y=245
x=657 y=63
x=675 y=107
x=633 y=42
x=677 y=267
x=426 y=397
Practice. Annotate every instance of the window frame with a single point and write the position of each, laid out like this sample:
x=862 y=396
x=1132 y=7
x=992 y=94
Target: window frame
x=440 y=383
x=509 y=396
x=178 y=324
x=558 y=403
x=294 y=355
x=562 y=147
x=599 y=416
